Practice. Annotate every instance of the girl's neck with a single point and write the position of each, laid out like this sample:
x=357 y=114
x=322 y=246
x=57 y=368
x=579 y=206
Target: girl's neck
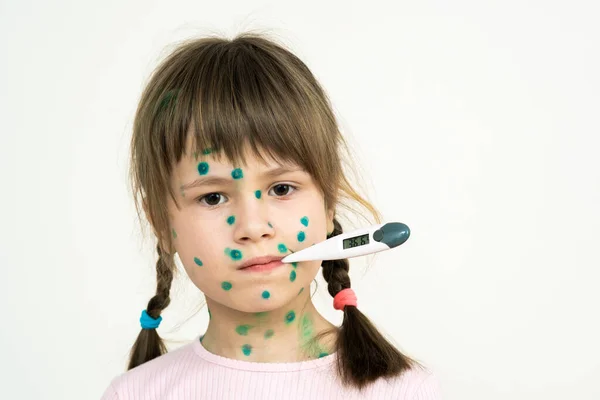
x=287 y=334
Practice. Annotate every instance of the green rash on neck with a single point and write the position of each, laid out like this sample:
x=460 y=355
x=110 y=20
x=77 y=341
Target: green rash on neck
x=306 y=335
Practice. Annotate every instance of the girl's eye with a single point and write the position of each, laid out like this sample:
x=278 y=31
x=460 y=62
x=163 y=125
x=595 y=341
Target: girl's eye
x=283 y=189
x=212 y=199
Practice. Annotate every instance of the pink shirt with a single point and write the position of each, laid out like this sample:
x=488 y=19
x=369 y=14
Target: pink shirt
x=192 y=372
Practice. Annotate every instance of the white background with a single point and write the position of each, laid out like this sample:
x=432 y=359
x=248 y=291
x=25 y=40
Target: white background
x=474 y=122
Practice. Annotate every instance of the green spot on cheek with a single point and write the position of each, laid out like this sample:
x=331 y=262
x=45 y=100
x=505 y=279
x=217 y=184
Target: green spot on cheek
x=301 y=289
x=301 y=236
x=269 y=333
x=233 y=253
x=243 y=329
x=304 y=221
x=174 y=233
x=282 y=248
x=257 y=194
x=247 y=349
x=237 y=174
x=197 y=261
x=289 y=317
x=270 y=226
x=292 y=276
x=230 y=220
x=295 y=264
x=226 y=285
x=203 y=168
x=266 y=294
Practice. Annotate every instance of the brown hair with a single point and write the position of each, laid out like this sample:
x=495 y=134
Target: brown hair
x=228 y=94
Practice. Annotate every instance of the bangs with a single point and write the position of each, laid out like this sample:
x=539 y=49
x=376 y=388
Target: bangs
x=233 y=98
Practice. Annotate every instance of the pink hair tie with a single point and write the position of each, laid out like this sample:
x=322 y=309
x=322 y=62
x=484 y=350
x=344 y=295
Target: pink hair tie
x=345 y=297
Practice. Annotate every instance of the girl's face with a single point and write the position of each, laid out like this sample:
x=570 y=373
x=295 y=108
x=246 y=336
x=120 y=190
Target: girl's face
x=230 y=214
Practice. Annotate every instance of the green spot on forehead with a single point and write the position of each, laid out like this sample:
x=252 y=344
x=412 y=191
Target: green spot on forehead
x=266 y=294
x=301 y=236
x=292 y=276
x=257 y=194
x=197 y=261
x=226 y=285
x=207 y=151
x=203 y=168
x=237 y=173
x=230 y=220
x=304 y=221
x=289 y=317
x=269 y=333
x=243 y=329
x=282 y=248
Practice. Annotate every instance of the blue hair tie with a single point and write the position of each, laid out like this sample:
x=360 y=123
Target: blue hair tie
x=148 y=322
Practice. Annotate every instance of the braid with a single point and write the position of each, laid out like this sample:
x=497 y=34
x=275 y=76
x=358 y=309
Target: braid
x=148 y=344
x=164 y=278
x=364 y=354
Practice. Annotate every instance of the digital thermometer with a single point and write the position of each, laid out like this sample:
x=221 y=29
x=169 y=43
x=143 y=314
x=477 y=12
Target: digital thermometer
x=353 y=244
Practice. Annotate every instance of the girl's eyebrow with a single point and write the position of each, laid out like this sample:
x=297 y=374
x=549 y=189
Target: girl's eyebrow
x=219 y=180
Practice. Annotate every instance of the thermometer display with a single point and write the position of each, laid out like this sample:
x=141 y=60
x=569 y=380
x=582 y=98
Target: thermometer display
x=356 y=241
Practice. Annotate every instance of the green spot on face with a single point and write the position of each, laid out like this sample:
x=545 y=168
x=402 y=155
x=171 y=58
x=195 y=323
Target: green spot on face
x=323 y=355
x=257 y=194
x=197 y=261
x=230 y=220
x=203 y=168
x=301 y=289
x=270 y=226
x=292 y=276
x=201 y=337
x=174 y=233
x=282 y=248
x=304 y=221
x=266 y=294
x=247 y=349
x=234 y=254
x=237 y=174
x=289 y=317
x=301 y=236
x=209 y=314
x=269 y=333
x=261 y=314
x=295 y=264
x=207 y=151
x=243 y=329
x=226 y=285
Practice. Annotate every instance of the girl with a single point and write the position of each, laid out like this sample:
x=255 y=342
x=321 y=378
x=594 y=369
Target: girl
x=236 y=162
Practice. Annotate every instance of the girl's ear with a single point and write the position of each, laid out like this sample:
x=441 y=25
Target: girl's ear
x=330 y=217
x=163 y=245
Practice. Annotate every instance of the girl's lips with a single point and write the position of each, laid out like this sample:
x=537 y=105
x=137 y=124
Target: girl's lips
x=263 y=267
